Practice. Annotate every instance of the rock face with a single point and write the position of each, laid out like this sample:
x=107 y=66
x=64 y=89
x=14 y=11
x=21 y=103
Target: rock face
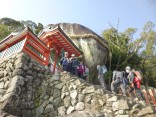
x=95 y=48
x=30 y=90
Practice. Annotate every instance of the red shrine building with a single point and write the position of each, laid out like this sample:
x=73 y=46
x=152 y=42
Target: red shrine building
x=45 y=48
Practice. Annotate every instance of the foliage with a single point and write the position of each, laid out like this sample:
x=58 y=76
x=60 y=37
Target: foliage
x=122 y=48
x=8 y=25
x=148 y=53
x=4 y=31
x=138 y=53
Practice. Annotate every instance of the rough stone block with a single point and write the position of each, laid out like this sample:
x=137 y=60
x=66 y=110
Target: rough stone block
x=67 y=101
x=145 y=111
x=112 y=99
x=49 y=108
x=39 y=111
x=59 y=86
x=80 y=106
x=120 y=105
x=70 y=109
x=73 y=94
x=1 y=74
x=1 y=85
x=61 y=111
x=89 y=89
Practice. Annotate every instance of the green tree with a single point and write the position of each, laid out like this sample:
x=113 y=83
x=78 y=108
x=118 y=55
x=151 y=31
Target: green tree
x=148 y=54
x=138 y=53
x=4 y=31
x=38 y=28
x=122 y=47
x=8 y=25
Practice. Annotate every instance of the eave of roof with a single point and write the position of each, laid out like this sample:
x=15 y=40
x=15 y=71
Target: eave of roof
x=27 y=30
x=63 y=33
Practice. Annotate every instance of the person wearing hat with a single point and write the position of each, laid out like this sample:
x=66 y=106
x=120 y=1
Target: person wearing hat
x=130 y=74
x=130 y=77
x=74 y=64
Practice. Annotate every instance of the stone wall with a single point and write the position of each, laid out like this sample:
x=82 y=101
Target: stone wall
x=20 y=78
x=29 y=90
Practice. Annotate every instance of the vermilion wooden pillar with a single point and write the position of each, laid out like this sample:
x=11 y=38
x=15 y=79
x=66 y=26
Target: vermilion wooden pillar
x=47 y=56
x=55 y=61
x=49 y=45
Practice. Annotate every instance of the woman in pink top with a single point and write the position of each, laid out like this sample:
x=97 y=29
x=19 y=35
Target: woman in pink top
x=81 y=70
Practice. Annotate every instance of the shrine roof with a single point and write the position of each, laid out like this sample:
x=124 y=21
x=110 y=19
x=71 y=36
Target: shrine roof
x=59 y=39
x=13 y=37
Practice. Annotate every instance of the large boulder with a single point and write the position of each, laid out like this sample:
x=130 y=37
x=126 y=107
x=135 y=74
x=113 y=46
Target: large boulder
x=94 y=47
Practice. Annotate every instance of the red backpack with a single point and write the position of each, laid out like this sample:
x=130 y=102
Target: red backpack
x=138 y=75
x=137 y=79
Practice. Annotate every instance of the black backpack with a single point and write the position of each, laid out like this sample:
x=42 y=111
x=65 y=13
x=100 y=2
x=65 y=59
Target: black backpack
x=74 y=63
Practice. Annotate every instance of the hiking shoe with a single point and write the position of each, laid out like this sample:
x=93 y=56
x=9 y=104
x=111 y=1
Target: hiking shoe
x=124 y=95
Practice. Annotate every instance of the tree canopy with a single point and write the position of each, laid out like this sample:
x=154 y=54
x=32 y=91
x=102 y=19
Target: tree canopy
x=138 y=53
x=8 y=25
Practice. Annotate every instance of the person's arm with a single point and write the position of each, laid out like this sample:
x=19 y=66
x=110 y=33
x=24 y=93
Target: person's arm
x=131 y=75
x=61 y=61
x=114 y=74
x=99 y=72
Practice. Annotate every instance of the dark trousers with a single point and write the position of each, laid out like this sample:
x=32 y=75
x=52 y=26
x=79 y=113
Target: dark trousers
x=66 y=68
x=138 y=93
x=74 y=71
x=80 y=75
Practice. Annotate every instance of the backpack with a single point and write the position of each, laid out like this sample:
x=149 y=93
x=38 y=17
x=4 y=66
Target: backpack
x=74 y=63
x=138 y=75
x=80 y=68
x=121 y=76
x=118 y=74
x=104 y=69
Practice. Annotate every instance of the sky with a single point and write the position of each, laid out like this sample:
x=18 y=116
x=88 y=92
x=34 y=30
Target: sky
x=94 y=14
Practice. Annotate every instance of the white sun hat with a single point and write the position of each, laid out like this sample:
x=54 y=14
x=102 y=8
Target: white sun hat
x=73 y=55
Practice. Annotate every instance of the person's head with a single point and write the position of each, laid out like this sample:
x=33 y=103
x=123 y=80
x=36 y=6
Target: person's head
x=73 y=56
x=81 y=62
x=66 y=54
x=98 y=67
x=128 y=69
x=133 y=70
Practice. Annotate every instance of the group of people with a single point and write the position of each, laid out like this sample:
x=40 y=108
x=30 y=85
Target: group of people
x=124 y=79
x=74 y=66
